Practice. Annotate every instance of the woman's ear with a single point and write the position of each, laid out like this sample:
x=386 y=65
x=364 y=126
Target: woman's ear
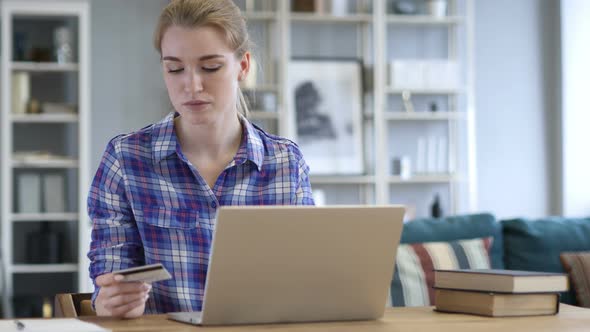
x=244 y=66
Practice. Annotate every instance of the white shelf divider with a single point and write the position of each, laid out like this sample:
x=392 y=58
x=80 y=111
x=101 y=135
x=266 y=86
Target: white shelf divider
x=35 y=217
x=422 y=178
x=423 y=20
x=44 y=268
x=46 y=163
x=45 y=118
x=416 y=91
x=423 y=116
x=342 y=179
x=44 y=66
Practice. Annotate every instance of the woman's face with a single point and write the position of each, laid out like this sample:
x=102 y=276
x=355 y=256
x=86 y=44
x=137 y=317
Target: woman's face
x=201 y=73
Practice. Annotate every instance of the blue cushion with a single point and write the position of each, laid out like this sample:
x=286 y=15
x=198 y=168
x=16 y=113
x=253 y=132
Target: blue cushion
x=535 y=245
x=458 y=228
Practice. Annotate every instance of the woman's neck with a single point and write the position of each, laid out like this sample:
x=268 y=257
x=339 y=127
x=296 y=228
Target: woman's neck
x=209 y=141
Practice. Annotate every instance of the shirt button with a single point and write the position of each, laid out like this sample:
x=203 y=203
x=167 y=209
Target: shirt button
x=213 y=205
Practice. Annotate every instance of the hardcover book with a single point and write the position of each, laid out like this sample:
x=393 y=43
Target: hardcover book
x=503 y=281
x=496 y=304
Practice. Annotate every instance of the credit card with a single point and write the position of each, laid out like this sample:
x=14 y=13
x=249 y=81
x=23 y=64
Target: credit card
x=147 y=273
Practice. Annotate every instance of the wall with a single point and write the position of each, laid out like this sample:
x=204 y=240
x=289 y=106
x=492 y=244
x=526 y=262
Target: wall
x=515 y=61
x=127 y=87
x=575 y=28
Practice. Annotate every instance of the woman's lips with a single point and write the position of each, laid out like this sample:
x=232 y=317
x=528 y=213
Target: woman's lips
x=196 y=104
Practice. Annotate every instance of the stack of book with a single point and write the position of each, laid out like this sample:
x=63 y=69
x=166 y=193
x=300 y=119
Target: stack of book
x=498 y=293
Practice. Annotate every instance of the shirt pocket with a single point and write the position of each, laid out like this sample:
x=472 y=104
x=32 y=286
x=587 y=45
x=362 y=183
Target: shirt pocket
x=172 y=218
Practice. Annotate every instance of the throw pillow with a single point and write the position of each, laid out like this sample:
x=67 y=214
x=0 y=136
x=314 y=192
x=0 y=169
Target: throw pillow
x=535 y=244
x=415 y=263
x=577 y=265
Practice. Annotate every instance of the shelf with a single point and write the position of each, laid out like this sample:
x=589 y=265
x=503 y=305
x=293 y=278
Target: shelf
x=35 y=217
x=260 y=16
x=45 y=163
x=423 y=20
x=262 y=88
x=423 y=116
x=263 y=115
x=321 y=18
x=423 y=178
x=45 y=118
x=342 y=179
x=44 y=268
x=44 y=66
x=391 y=90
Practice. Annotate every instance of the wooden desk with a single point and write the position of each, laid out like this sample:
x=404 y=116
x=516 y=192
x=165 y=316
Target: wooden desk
x=422 y=319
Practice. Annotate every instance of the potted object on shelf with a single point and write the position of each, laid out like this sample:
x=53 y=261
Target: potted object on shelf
x=303 y=5
x=34 y=106
x=437 y=8
x=62 y=37
x=435 y=208
x=405 y=7
x=402 y=166
x=43 y=246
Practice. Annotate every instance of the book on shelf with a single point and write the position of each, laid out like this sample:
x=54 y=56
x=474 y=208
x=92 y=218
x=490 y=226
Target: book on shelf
x=496 y=304
x=505 y=281
x=54 y=193
x=21 y=92
x=28 y=192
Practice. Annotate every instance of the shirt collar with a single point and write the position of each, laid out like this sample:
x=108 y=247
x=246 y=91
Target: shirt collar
x=164 y=141
x=164 y=138
x=251 y=147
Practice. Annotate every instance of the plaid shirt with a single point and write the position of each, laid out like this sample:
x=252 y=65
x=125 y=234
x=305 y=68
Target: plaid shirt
x=149 y=205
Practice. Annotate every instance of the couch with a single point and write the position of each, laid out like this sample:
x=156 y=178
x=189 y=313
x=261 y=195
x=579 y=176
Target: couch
x=516 y=244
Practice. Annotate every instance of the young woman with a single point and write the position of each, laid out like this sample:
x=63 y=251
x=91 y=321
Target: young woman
x=156 y=192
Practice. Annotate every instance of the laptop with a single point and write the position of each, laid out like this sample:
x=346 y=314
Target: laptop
x=286 y=264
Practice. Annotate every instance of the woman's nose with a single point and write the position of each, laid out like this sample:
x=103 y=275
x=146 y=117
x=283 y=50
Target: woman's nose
x=194 y=83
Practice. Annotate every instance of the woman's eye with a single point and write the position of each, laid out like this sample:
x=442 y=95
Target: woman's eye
x=173 y=71
x=211 y=69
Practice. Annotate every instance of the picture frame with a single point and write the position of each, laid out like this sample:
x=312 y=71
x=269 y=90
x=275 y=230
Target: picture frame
x=326 y=96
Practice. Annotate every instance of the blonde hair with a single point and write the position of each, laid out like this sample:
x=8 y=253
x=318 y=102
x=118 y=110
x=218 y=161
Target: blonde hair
x=221 y=14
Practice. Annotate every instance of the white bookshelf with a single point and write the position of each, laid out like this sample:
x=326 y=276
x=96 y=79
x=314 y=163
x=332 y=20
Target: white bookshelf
x=370 y=33
x=75 y=167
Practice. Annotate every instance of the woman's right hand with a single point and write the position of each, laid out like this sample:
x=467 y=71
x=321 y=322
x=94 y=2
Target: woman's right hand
x=120 y=299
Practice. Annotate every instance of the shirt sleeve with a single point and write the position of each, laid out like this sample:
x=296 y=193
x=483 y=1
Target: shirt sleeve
x=115 y=241
x=303 y=193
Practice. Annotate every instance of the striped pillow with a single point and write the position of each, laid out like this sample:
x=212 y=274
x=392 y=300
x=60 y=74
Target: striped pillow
x=577 y=265
x=414 y=267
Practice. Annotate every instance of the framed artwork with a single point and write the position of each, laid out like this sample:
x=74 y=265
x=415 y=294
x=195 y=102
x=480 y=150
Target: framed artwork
x=326 y=96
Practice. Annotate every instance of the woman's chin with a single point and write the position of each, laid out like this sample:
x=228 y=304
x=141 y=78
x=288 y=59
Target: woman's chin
x=196 y=117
